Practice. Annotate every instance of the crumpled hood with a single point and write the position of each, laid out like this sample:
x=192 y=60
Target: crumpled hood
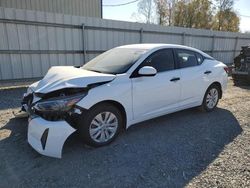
x=59 y=77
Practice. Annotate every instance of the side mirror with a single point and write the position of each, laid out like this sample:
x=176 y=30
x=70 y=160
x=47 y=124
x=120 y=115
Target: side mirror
x=147 y=71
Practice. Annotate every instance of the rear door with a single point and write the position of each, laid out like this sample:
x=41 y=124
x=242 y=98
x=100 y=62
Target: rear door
x=154 y=95
x=193 y=78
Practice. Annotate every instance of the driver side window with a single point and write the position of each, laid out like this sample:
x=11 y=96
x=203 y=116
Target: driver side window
x=161 y=60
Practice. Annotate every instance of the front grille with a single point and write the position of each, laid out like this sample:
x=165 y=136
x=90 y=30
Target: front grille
x=53 y=116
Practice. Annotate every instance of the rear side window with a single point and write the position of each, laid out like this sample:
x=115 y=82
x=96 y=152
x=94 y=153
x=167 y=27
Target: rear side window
x=186 y=58
x=162 y=60
x=199 y=58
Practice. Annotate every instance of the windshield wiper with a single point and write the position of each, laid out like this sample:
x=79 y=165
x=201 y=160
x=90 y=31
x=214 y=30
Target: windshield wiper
x=97 y=71
x=93 y=70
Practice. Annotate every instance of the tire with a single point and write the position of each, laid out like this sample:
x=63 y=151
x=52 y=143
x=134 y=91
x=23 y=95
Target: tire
x=211 y=99
x=93 y=129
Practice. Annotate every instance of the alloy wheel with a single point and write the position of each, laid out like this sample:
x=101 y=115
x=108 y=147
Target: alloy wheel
x=212 y=98
x=103 y=127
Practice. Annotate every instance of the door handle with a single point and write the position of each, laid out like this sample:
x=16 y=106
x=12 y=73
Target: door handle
x=175 y=79
x=207 y=72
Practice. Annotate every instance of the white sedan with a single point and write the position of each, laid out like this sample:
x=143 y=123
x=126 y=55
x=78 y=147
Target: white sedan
x=117 y=89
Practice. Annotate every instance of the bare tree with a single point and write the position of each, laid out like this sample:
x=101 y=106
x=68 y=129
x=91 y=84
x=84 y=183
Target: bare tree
x=222 y=7
x=203 y=14
x=165 y=11
x=146 y=11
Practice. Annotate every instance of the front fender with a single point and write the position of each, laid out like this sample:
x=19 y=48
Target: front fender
x=121 y=93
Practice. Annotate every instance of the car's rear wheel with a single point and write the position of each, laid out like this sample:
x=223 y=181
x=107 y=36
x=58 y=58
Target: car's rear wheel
x=100 y=125
x=211 y=98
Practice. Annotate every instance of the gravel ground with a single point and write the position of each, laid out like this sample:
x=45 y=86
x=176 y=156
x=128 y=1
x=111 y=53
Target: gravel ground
x=187 y=148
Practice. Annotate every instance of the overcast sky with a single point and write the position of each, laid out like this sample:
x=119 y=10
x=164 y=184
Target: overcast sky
x=125 y=12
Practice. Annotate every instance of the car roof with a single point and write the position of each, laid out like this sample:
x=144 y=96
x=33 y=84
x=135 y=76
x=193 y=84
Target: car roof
x=151 y=46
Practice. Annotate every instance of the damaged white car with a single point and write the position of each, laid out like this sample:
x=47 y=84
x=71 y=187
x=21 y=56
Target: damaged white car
x=118 y=88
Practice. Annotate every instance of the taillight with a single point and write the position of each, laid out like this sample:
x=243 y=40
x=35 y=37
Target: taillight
x=226 y=69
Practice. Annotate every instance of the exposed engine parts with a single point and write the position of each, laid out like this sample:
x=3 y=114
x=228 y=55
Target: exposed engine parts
x=241 y=71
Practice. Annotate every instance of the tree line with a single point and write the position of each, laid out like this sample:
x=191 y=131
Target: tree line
x=202 y=14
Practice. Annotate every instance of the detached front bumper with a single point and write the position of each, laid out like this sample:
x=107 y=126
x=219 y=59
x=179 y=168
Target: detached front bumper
x=48 y=137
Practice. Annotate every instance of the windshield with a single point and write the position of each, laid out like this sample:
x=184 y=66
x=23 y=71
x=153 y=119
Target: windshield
x=114 y=61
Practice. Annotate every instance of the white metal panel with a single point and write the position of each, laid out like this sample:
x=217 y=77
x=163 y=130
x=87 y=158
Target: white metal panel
x=195 y=42
x=17 y=69
x=62 y=59
x=27 y=66
x=45 y=63
x=222 y=44
x=6 y=67
x=43 y=38
x=226 y=57
x=3 y=37
x=70 y=59
x=89 y=8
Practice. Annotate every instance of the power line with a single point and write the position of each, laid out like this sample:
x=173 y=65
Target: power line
x=244 y=15
x=116 y=5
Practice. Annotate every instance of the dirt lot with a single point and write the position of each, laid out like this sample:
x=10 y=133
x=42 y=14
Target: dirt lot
x=188 y=148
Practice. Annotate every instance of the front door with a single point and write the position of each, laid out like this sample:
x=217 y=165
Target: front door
x=159 y=94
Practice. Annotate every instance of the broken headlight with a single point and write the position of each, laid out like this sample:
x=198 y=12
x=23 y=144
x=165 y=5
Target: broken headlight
x=60 y=104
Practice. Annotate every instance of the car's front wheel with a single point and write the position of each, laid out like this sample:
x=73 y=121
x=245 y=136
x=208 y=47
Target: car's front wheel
x=100 y=125
x=211 y=98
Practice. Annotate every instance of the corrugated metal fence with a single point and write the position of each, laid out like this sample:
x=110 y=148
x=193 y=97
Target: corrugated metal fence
x=90 y=8
x=31 y=41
